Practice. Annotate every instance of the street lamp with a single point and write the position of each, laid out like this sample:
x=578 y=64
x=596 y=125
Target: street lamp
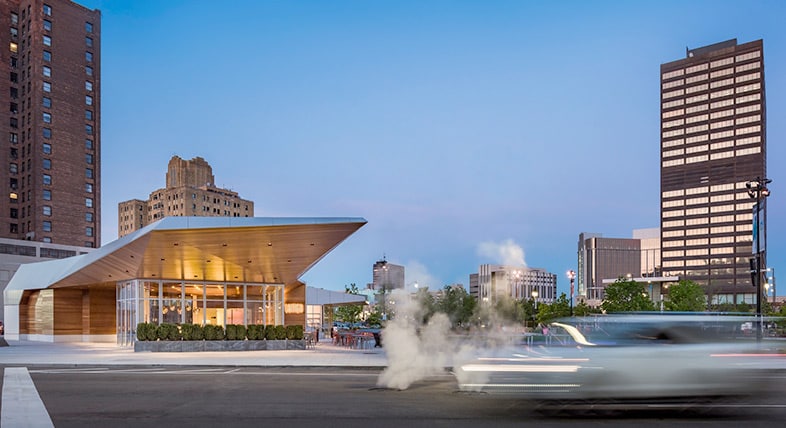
x=572 y=277
x=757 y=189
x=535 y=312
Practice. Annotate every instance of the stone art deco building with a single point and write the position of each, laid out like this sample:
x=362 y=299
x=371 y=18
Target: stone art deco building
x=517 y=282
x=190 y=191
x=51 y=122
x=713 y=141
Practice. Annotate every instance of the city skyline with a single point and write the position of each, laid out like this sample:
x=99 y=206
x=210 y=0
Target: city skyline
x=459 y=130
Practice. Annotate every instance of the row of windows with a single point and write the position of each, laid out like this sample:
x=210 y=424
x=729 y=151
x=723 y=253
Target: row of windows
x=706 y=127
x=714 y=64
x=715 y=94
x=715 y=147
x=716 y=230
x=742 y=185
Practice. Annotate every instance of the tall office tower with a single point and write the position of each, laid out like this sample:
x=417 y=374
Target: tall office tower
x=387 y=276
x=190 y=191
x=52 y=128
x=713 y=141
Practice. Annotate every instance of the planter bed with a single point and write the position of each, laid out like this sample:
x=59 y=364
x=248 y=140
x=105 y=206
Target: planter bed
x=216 y=345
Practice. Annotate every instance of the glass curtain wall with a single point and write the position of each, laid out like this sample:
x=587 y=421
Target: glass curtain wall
x=190 y=302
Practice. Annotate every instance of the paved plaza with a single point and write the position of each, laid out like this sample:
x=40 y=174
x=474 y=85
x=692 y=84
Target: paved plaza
x=325 y=354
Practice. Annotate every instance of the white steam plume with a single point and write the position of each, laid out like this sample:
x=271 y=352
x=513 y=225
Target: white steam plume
x=507 y=252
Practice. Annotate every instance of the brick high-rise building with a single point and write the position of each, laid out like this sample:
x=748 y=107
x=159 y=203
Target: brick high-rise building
x=190 y=191
x=52 y=123
x=713 y=141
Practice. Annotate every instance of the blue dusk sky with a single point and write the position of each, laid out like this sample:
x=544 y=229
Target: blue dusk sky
x=465 y=132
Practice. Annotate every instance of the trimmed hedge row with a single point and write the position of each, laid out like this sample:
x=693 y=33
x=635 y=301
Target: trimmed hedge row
x=152 y=332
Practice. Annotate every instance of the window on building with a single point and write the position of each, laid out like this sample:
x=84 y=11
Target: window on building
x=88 y=57
x=47 y=102
x=89 y=159
x=88 y=115
x=47 y=148
x=47 y=25
x=89 y=70
x=89 y=144
x=89 y=129
x=89 y=42
x=89 y=217
x=14 y=167
x=47 y=226
x=47 y=164
x=47 y=133
x=88 y=86
x=47 y=195
x=47 y=179
x=88 y=188
x=88 y=100
x=14 y=137
x=14 y=18
x=47 y=10
x=47 y=71
x=47 y=210
x=89 y=202
x=88 y=27
x=14 y=47
x=47 y=87
x=88 y=172
x=89 y=231
x=47 y=41
x=47 y=118
x=47 y=56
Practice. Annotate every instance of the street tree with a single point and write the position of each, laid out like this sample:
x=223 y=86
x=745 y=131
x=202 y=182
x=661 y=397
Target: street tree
x=349 y=313
x=685 y=296
x=457 y=304
x=560 y=308
x=626 y=295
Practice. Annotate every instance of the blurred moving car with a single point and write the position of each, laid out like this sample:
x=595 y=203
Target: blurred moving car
x=626 y=357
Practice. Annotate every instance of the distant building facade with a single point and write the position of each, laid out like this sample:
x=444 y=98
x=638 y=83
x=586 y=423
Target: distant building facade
x=517 y=282
x=387 y=276
x=713 y=141
x=601 y=258
x=190 y=191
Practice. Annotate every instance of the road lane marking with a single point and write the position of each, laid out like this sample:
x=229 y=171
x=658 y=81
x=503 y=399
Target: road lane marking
x=21 y=404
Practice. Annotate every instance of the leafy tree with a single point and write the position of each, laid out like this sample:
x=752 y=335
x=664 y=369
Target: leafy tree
x=457 y=304
x=685 y=296
x=349 y=313
x=626 y=296
x=560 y=308
x=426 y=304
x=582 y=309
x=374 y=319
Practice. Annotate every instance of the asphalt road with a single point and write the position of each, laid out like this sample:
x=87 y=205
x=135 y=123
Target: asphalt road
x=327 y=397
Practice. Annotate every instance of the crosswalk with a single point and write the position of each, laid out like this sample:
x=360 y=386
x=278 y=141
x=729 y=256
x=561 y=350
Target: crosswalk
x=21 y=404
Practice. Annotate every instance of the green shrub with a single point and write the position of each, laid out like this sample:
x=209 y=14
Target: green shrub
x=255 y=332
x=168 y=331
x=270 y=332
x=236 y=332
x=146 y=331
x=294 y=332
x=280 y=332
x=192 y=332
x=214 y=332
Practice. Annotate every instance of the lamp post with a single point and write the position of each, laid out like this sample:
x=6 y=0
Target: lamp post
x=757 y=189
x=571 y=277
x=535 y=312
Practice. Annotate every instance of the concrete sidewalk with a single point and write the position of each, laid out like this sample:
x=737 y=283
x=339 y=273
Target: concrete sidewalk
x=324 y=355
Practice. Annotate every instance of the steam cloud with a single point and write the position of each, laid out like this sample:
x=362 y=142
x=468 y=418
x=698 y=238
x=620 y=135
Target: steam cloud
x=416 y=351
x=508 y=252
